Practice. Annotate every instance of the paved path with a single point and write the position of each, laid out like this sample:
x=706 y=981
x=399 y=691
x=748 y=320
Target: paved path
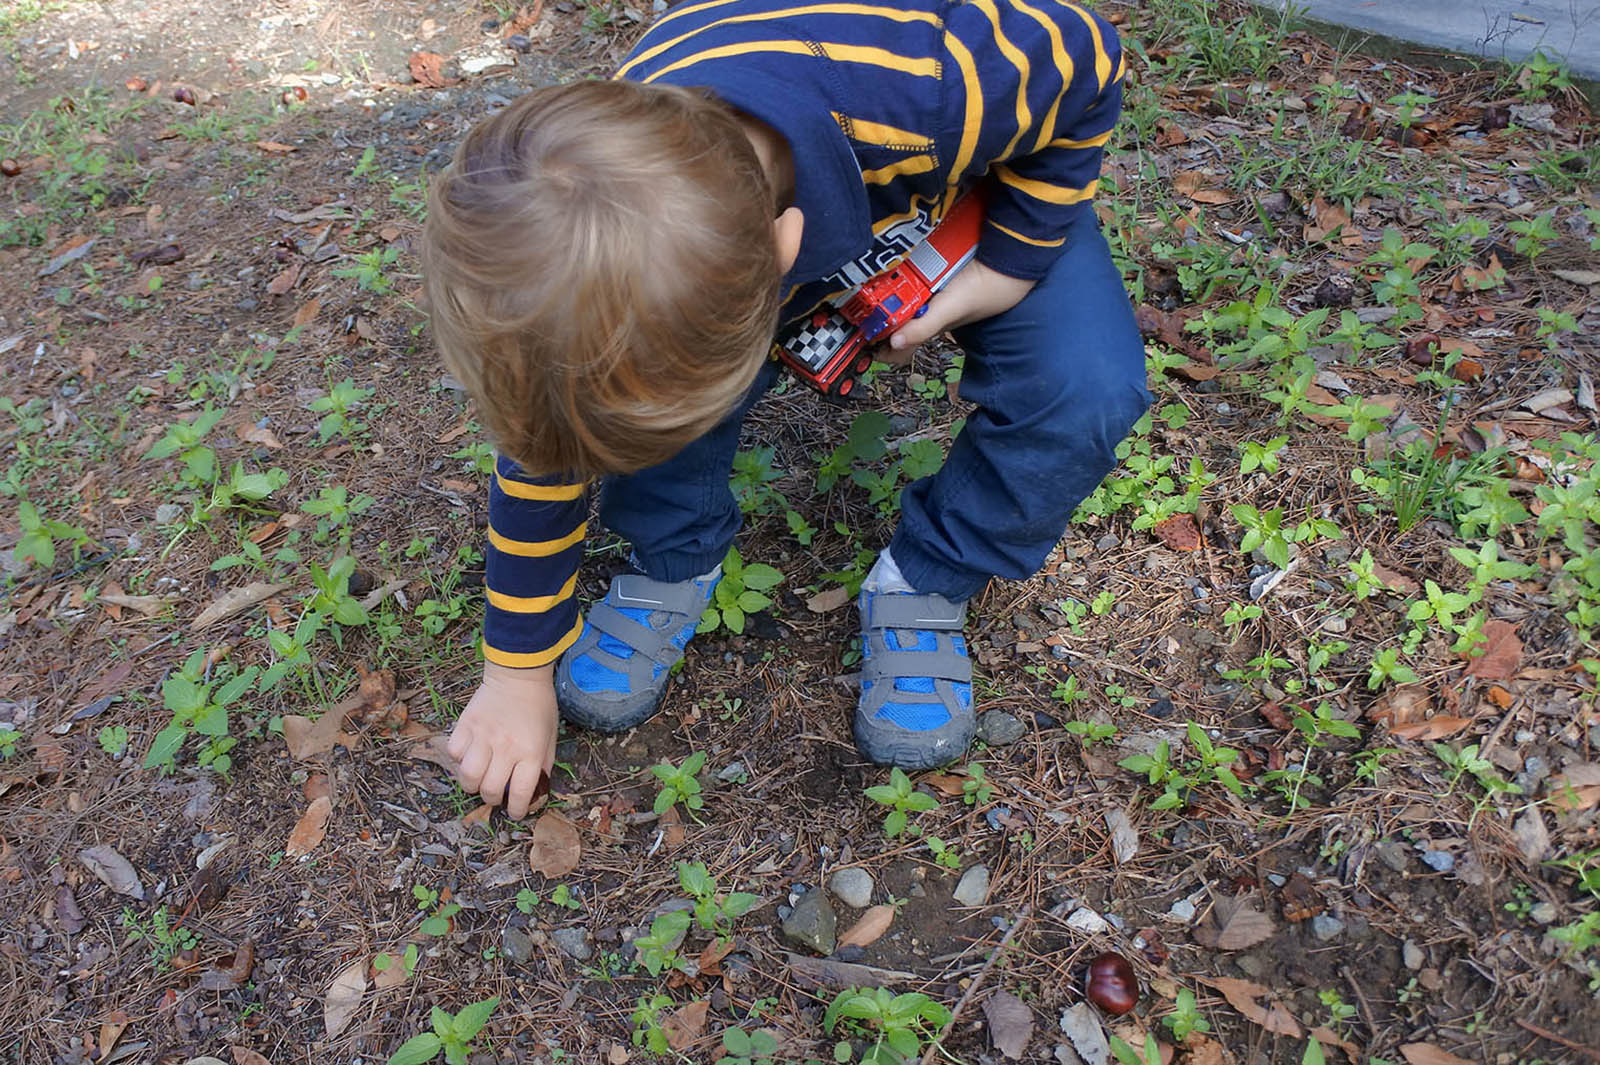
x=1495 y=29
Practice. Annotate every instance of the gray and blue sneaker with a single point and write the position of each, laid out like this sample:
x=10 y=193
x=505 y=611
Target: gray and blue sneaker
x=613 y=678
x=915 y=710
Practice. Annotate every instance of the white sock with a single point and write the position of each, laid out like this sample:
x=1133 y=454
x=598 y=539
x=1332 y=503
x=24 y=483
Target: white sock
x=711 y=574
x=886 y=576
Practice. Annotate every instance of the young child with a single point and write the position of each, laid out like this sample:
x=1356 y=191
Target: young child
x=607 y=263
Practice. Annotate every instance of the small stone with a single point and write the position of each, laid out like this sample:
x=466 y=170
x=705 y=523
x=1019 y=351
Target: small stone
x=853 y=887
x=1107 y=542
x=973 y=887
x=1182 y=911
x=1325 y=927
x=1543 y=912
x=1412 y=955
x=1334 y=623
x=516 y=945
x=1087 y=921
x=167 y=513
x=1392 y=855
x=812 y=924
x=574 y=943
x=518 y=42
x=998 y=728
x=1439 y=861
x=730 y=773
x=1162 y=708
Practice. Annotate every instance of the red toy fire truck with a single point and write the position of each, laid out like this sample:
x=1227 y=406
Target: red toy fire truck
x=829 y=349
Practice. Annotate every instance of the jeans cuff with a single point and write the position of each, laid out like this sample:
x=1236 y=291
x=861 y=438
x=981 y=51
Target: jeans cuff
x=928 y=574
x=677 y=566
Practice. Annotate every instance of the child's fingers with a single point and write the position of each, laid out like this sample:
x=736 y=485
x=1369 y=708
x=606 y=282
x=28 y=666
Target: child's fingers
x=460 y=740
x=473 y=764
x=493 y=788
x=524 y=779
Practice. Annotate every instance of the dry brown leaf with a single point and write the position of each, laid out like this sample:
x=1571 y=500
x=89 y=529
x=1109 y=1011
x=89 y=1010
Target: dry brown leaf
x=339 y=1005
x=143 y=605
x=112 y=869
x=246 y=1056
x=435 y=749
x=393 y=973
x=1500 y=697
x=307 y=313
x=873 y=924
x=1401 y=706
x=1238 y=925
x=235 y=602
x=683 y=1026
x=1575 y=788
x=449 y=436
x=1428 y=1054
x=947 y=784
x=255 y=434
x=1010 y=1023
x=1502 y=654
x=286 y=279
x=1438 y=727
x=1203 y=1051
x=1189 y=183
x=1242 y=996
x=1328 y=1037
x=828 y=599
x=111 y=1030
x=310 y=829
x=554 y=848
x=428 y=70
x=672 y=830
x=1178 y=532
x=1395 y=582
x=276 y=146
x=306 y=738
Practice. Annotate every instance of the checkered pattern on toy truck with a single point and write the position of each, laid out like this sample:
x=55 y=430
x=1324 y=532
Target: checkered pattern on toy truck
x=814 y=345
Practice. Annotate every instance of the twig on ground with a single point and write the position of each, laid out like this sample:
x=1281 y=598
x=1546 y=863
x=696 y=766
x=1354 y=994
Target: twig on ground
x=977 y=982
x=1588 y=1052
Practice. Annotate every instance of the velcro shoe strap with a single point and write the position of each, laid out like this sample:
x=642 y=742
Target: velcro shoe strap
x=943 y=664
x=641 y=593
x=932 y=612
x=644 y=640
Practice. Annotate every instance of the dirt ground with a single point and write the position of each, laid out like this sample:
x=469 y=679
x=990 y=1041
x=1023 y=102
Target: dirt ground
x=215 y=208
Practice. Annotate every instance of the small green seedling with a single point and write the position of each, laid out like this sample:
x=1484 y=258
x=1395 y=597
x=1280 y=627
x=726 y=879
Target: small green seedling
x=201 y=706
x=679 y=783
x=438 y=922
x=747 y=1048
x=976 y=789
x=1127 y=1055
x=896 y=1025
x=902 y=801
x=739 y=593
x=712 y=912
x=113 y=740
x=1185 y=1017
x=451 y=1034
x=657 y=949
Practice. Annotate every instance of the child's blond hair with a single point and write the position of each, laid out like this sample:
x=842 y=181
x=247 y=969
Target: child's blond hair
x=600 y=266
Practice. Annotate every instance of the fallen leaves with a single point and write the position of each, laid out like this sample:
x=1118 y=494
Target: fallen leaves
x=1502 y=653
x=310 y=829
x=1010 y=1023
x=828 y=599
x=554 y=848
x=1438 y=727
x=343 y=998
x=112 y=870
x=1237 y=925
x=1178 y=532
x=1242 y=995
x=1191 y=185
x=255 y=434
x=428 y=70
x=685 y=1025
x=236 y=601
x=870 y=928
x=1428 y=1054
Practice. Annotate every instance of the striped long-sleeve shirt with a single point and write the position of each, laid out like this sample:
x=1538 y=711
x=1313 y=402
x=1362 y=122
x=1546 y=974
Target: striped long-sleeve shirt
x=891 y=109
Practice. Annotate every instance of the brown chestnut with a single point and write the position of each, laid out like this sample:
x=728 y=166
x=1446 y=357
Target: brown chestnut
x=1112 y=985
x=184 y=95
x=10 y=167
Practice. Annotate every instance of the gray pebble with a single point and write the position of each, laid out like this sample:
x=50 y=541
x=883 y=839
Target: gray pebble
x=1544 y=913
x=574 y=943
x=853 y=887
x=1326 y=928
x=998 y=728
x=1412 y=955
x=517 y=945
x=1392 y=854
x=812 y=924
x=1107 y=542
x=973 y=887
x=1439 y=861
x=167 y=513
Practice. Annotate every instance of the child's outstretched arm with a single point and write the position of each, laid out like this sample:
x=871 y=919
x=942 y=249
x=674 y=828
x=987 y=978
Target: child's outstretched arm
x=505 y=738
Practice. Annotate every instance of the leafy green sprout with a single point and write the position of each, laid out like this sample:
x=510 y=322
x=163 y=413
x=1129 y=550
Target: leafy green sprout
x=747 y=1048
x=1185 y=1017
x=679 y=783
x=113 y=739
x=1091 y=732
x=1211 y=764
x=739 y=593
x=370 y=270
x=332 y=597
x=657 y=949
x=1534 y=234
x=1258 y=455
x=185 y=440
x=452 y=1034
x=976 y=789
x=1150 y=1054
x=436 y=923
x=8 y=742
x=896 y=1025
x=714 y=913
x=164 y=938
x=902 y=800
x=336 y=408
x=200 y=706
x=40 y=535
x=1386 y=666
x=944 y=854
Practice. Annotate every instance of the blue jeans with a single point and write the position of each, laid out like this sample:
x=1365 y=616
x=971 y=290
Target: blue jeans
x=1058 y=381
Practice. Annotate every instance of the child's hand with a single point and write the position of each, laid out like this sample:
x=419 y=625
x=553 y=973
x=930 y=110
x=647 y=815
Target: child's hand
x=505 y=739
x=975 y=293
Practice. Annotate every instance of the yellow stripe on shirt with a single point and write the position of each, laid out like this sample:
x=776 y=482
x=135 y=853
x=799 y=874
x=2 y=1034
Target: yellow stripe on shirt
x=1014 y=235
x=532 y=604
x=1092 y=142
x=972 y=123
x=914 y=164
x=1102 y=58
x=786 y=12
x=1018 y=60
x=534 y=659
x=536 y=548
x=1040 y=190
x=843 y=53
x=1064 y=67
x=881 y=133
x=543 y=493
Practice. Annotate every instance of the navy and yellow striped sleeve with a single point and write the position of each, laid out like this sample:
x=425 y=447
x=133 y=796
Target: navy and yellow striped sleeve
x=536 y=530
x=1043 y=85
